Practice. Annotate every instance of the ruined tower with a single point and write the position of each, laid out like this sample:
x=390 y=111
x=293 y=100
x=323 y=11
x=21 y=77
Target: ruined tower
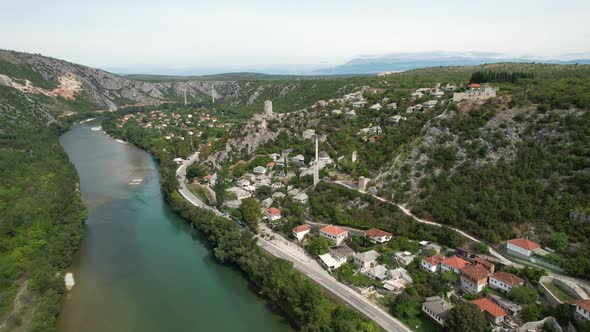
x=268 y=108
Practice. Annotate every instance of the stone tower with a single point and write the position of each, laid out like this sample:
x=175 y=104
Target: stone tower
x=268 y=108
x=363 y=181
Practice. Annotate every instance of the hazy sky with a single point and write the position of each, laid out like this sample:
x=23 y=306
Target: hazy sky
x=225 y=33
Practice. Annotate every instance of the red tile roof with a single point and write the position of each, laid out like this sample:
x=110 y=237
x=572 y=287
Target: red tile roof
x=584 y=304
x=301 y=228
x=434 y=260
x=486 y=305
x=271 y=164
x=374 y=232
x=485 y=263
x=475 y=272
x=507 y=278
x=474 y=85
x=273 y=211
x=455 y=262
x=524 y=243
x=333 y=230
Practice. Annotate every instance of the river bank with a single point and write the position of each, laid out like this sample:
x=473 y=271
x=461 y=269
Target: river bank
x=140 y=267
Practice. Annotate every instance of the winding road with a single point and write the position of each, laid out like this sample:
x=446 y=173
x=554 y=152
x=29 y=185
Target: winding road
x=279 y=247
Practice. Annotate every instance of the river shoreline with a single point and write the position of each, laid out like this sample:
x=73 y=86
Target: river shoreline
x=101 y=265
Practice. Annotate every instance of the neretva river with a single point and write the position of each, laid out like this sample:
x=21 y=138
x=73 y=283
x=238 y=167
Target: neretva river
x=140 y=267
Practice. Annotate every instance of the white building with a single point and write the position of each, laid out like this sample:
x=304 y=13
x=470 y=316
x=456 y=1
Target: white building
x=272 y=214
x=504 y=281
x=431 y=264
x=299 y=232
x=334 y=234
x=404 y=257
x=240 y=193
x=376 y=107
x=365 y=260
x=521 y=247
x=454 y=264
x=437 y=308
x=378 y=236
x=259 y=170
x=583 y=309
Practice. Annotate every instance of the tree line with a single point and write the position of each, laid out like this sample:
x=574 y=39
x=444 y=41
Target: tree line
x=492 y=76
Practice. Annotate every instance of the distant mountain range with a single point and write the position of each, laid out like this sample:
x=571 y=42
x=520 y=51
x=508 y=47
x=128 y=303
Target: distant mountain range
x=407 y=61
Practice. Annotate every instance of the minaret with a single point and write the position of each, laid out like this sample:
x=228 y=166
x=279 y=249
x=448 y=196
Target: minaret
x=212 y=94
x=316 y=171
x=185 y=102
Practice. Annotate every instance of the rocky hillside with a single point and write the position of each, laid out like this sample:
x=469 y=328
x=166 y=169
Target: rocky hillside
x=33 y=73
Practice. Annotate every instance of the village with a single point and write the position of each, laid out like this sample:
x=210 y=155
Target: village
x=281 y=183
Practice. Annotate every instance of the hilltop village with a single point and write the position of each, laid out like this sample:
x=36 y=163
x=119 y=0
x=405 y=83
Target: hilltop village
x=288 y=178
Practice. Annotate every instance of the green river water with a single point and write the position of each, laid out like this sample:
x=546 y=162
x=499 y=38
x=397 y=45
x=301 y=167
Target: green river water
x=140 y=267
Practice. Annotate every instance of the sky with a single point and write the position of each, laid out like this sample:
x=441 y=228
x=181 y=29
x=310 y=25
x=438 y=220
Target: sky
x=226 y=34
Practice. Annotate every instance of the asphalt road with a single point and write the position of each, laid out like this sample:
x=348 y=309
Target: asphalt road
x=310 y=268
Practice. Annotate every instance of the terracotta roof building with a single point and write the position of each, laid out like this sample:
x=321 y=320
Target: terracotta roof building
x=491 y=267
x=474 y=278
x=505 y=281
x=299 y=232
x=583 y=309
x=454 y=264
x=521 y=247
x=377 y=235
x=333 y=233
x=491 y=311
x=273 y=214
x=432 y=263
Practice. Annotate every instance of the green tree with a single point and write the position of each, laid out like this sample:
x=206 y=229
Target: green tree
x=533 y=313
x=319 y=245
x=405 y=306
x=523 y=295
x=558 y=241
x=465 y=317
x=251 y=213
x=196 y=171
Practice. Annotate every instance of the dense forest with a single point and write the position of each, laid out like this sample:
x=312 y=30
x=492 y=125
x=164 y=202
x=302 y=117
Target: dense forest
x=41 y=213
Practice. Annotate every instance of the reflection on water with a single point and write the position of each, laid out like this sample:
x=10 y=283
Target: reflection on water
x=140 y=267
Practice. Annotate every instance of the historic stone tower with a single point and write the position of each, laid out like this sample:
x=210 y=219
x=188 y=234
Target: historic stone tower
x=363 y=181
x=268 y=108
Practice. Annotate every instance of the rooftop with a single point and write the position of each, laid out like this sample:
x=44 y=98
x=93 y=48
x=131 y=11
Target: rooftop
x=273 y=211
x=584 y=304
x=374 y=232
x=490 y=307
x=333 y=230
x=438 y=306
x=434 y=260
x=524 y=243
x=507 y=278
x=475 y=272
x=455 y=262
x=367 y=256
x=342 y=251
x=301 y=228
